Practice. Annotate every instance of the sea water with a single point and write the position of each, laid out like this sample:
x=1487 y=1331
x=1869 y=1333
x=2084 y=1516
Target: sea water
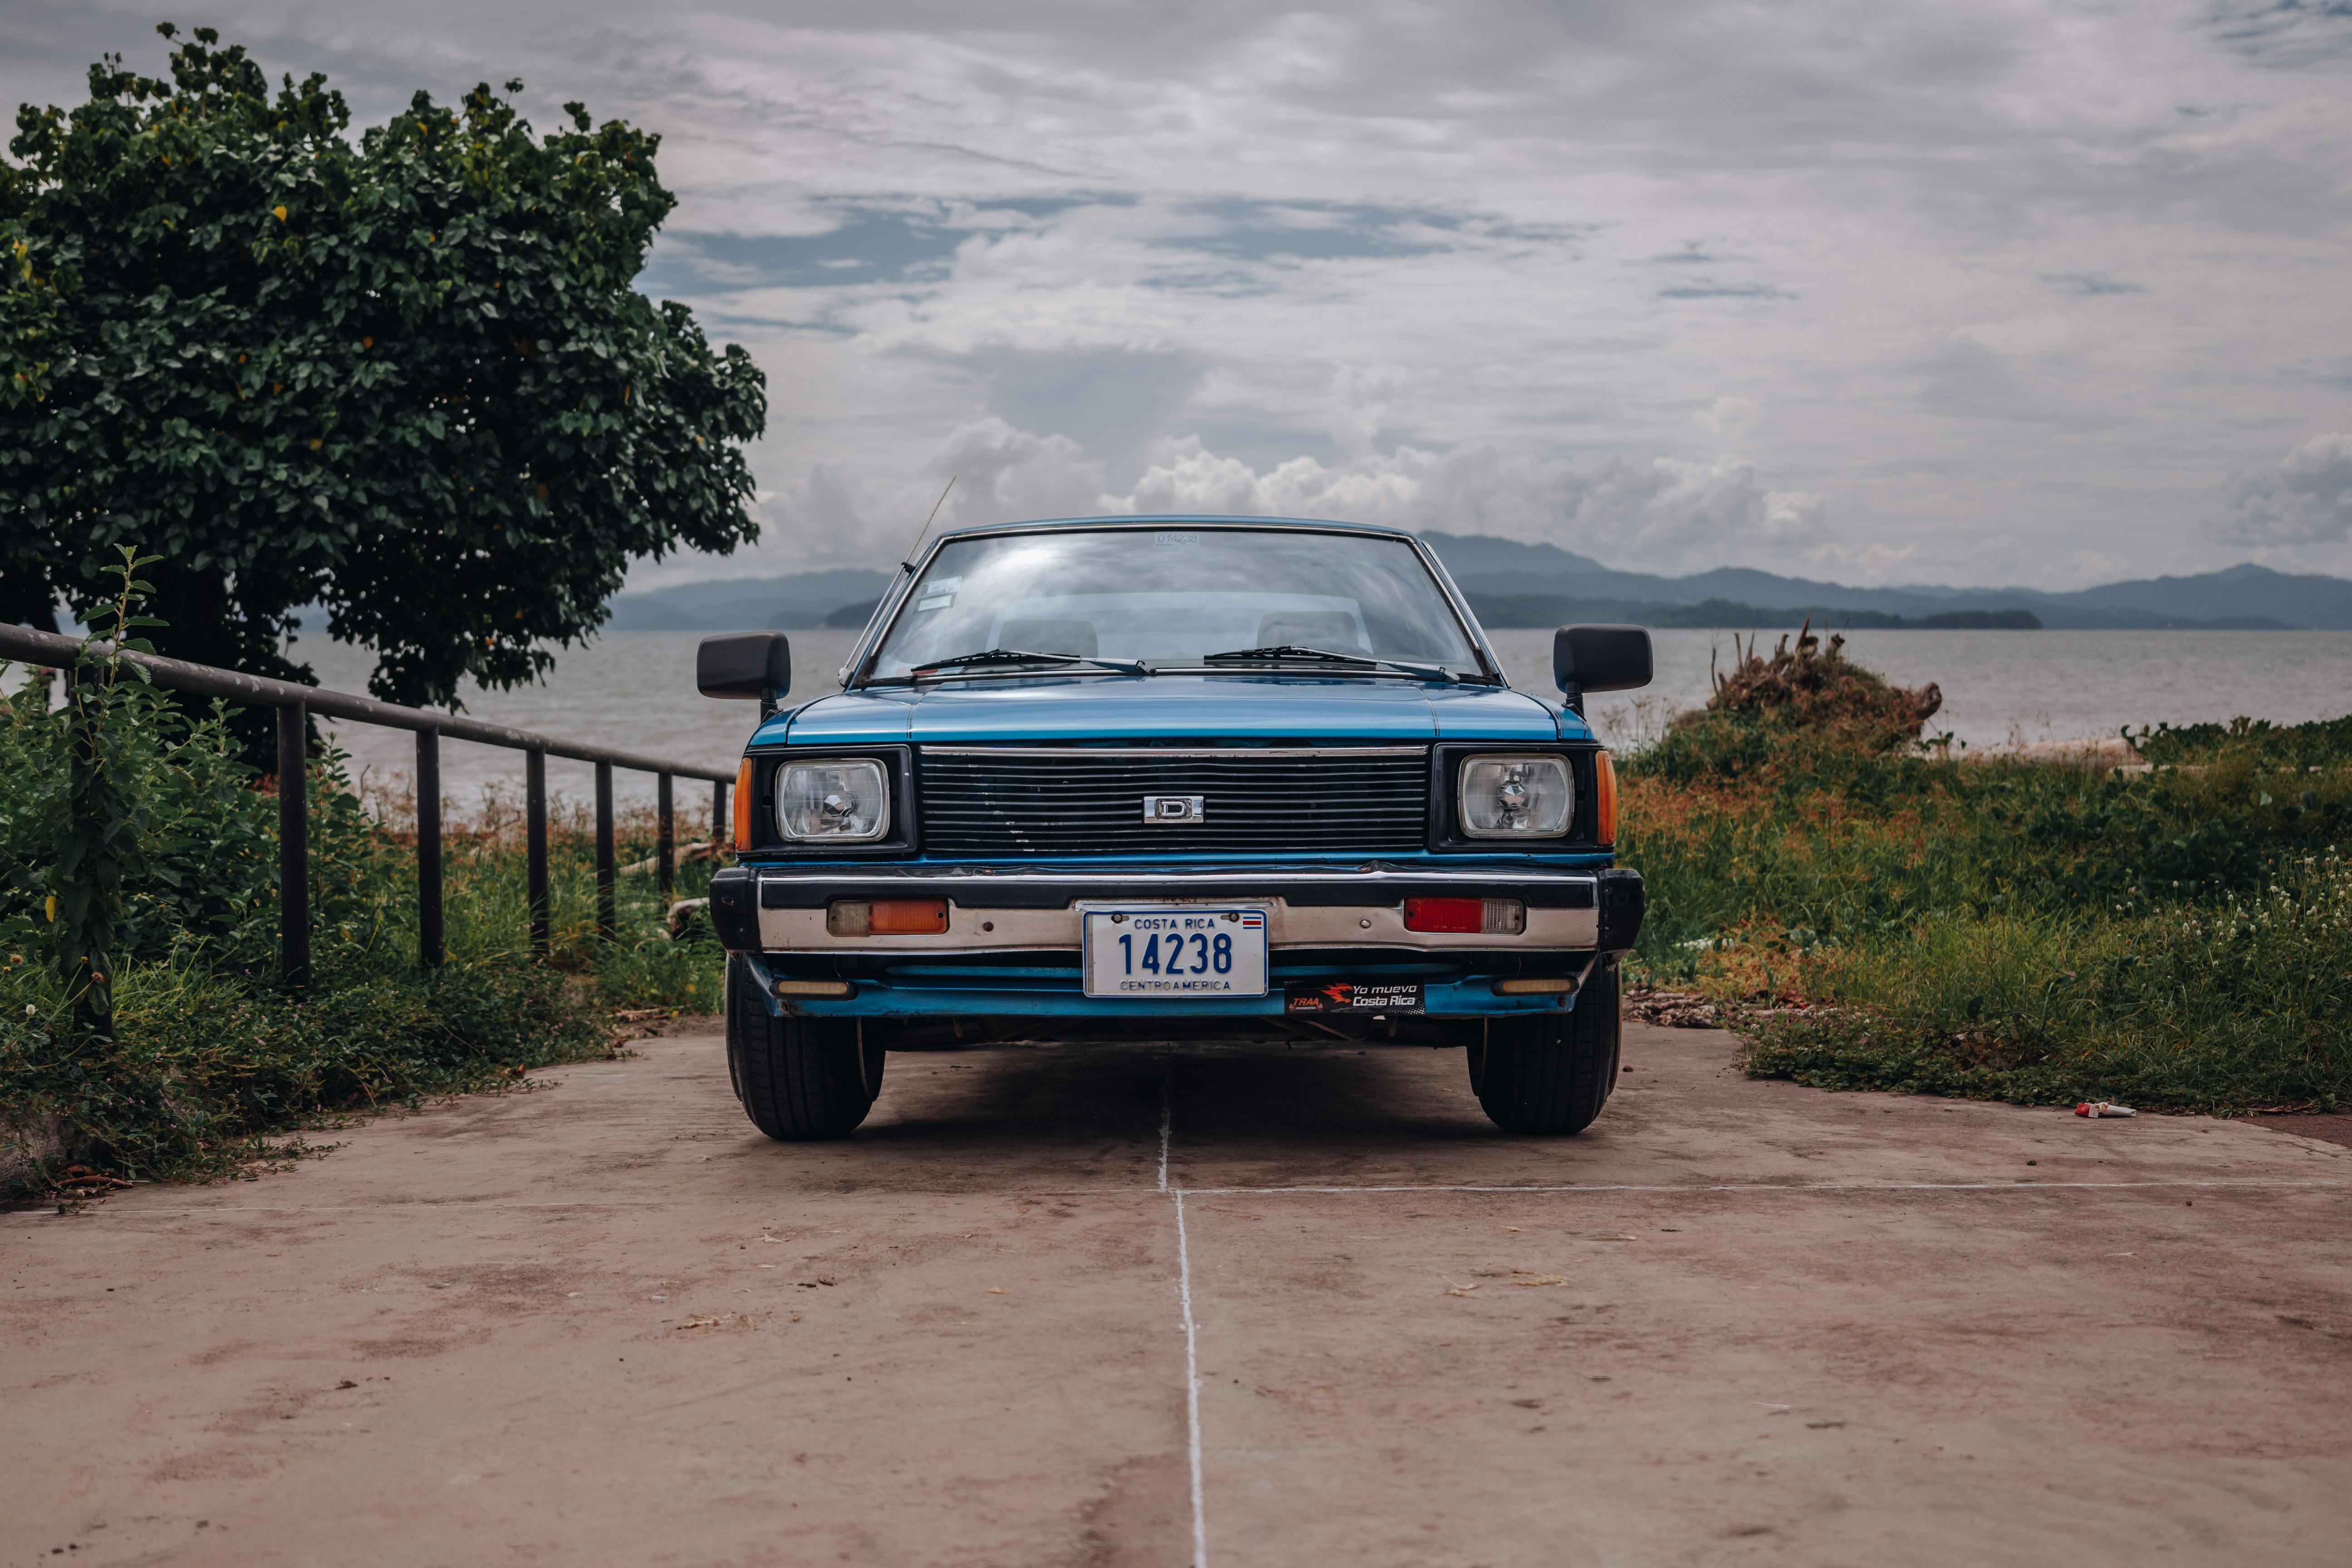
x=636 y=691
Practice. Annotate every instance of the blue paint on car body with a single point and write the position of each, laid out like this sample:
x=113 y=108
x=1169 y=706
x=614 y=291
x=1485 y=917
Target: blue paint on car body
x=1243 y=709
x=1258 y=706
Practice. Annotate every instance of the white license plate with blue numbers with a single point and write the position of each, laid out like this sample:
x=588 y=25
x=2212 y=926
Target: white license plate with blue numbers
x=1141 y=953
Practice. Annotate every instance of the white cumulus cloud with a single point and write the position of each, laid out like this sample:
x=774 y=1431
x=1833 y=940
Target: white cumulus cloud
x=1658 y=512
x=2306 y=498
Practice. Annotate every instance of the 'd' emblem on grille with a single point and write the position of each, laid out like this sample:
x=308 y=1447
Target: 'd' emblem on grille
x=1175 y=810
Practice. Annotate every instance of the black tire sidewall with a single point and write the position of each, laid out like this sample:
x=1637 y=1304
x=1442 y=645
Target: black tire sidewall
x=798 y=1080
x=1549 y=1076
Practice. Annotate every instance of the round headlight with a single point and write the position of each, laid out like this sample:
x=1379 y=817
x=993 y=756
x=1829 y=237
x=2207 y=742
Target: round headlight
x=1515 y=797
x=833 y=802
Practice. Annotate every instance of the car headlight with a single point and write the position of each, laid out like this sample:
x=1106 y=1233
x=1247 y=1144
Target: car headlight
x=834 y=802
x=1515 y=797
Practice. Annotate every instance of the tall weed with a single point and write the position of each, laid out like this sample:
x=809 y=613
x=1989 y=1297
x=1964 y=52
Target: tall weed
x=2241 y=1004
x=209 y=1059
x=2021 y=929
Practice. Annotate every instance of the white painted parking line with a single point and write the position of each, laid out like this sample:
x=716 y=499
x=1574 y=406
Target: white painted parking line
x=1191 y=1336
x=1191 y=1388
x=1167 y=1117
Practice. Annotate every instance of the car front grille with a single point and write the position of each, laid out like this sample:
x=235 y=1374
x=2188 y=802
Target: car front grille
x=1080 y=800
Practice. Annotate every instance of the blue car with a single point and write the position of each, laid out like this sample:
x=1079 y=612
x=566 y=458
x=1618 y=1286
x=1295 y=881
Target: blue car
x=1173 y=778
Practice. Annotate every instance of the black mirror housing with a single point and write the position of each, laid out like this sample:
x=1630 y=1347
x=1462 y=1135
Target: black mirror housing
x=1600 y=658
x=755 y=666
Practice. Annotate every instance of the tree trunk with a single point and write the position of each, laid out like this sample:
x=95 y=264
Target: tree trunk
x=205 y=624
x=28 y=599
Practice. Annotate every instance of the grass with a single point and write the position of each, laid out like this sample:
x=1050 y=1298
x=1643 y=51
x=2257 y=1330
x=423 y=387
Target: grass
x=486 y=901
x=2242 y=1007
x=1877 y=913
x=212 y=1064
x=1882 y=915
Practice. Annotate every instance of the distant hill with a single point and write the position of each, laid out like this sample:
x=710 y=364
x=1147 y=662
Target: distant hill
x=2245 y=597
x=747 y=603
x=1516 y=585
x=1520 y=610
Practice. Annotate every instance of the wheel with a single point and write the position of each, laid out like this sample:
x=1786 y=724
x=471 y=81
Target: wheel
x=798 y=1079
x=1549 y=1076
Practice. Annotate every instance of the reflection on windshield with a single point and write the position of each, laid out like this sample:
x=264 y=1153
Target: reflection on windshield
x=1174 y=595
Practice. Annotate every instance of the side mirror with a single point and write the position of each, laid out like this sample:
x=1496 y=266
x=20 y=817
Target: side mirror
x=1600 y=658
x=753 y=666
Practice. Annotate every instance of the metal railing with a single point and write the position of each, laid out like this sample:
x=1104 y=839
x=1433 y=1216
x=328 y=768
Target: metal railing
x=294 y=703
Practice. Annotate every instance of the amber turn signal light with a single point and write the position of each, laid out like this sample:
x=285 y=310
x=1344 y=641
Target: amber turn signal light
x=742 y=805
x=836 y=989
x=1604 y=799
x=885 y=916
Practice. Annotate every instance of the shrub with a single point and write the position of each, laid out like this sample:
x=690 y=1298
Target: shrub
x=1804 y=703
x=2241 y=1006
x=204 y=1058
x=2324 y=744
x=203 y=1068
x=1995 y=926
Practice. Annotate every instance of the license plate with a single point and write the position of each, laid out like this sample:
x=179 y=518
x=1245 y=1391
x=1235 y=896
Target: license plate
x=1144 y=952
x=1352 y=996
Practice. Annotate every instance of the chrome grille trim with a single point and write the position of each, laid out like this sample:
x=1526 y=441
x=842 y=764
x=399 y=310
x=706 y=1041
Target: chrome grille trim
x=1065 y=800
x=1165 y=753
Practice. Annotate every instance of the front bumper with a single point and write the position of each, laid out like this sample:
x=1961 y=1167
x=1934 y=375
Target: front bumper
x=1011 y=946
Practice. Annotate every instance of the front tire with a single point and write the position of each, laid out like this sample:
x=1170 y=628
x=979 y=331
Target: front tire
x=1548 y=1077
x=798 y=1079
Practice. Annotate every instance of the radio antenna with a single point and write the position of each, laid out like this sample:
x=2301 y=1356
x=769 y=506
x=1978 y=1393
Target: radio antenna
x=908 y=566
x=909 y=561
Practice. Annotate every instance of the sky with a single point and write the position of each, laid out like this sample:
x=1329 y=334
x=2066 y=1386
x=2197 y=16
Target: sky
x=2047 y=294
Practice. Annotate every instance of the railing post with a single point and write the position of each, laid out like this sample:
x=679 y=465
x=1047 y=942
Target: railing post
x=294 y=845
x=607 y=917
x=720 y=825
x=665 y=838
x=534 y=773
x=428 y=849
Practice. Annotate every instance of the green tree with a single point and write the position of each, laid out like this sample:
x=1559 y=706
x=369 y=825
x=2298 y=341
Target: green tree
x=404 y=375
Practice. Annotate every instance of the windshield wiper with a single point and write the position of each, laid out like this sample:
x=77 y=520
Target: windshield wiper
x=1290 y=653
x=1007 y=656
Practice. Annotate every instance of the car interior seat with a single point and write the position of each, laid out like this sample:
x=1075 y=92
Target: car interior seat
x=1076 y=638
x=1331 y=631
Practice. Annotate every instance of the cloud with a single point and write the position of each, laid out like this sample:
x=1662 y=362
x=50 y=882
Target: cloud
x=2087 y=283
x=2306 y=498
x=832 y=516
x=826 y=518
x=2284 y=32
x=1967 y=377
x=1722 y=291
x=1003 y=474
x=1663 y=512
x=2005 y=291
x=1656 y=513
x=1111 y=400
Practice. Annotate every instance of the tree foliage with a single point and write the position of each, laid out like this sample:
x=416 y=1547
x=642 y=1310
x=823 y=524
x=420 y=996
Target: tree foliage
x=404 y=375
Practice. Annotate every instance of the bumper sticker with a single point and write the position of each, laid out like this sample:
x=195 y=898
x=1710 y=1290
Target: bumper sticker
x=1352 y=996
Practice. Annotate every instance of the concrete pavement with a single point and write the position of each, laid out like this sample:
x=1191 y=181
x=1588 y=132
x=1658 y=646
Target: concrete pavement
x=1254 y=1306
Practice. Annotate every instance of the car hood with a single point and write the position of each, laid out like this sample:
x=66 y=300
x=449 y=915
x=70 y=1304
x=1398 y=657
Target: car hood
x=1212 y=707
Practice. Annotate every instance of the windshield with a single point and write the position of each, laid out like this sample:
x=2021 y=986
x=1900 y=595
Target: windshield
x=1176 y=596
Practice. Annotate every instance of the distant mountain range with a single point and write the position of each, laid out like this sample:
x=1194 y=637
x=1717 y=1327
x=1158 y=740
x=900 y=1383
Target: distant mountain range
x=1528 y=583
x=747 y=603
x=1515 y=584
